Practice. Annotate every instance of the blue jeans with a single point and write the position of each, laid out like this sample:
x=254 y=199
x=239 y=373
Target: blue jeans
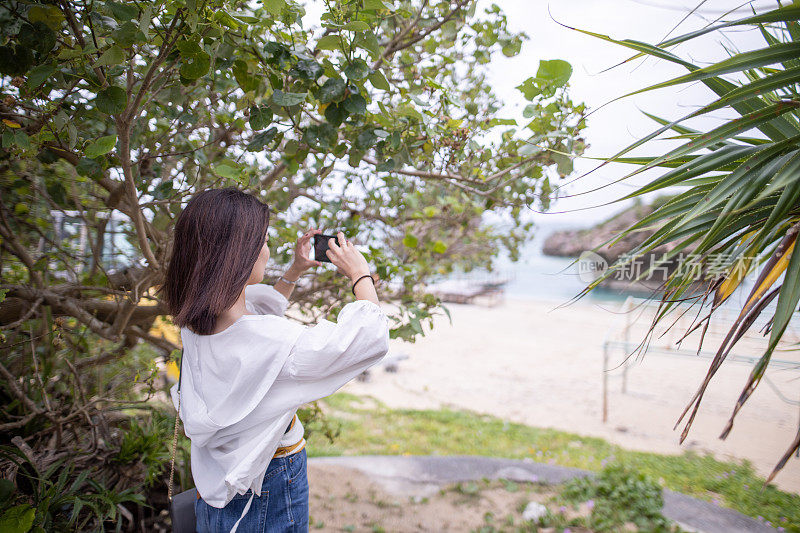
x=282 y=506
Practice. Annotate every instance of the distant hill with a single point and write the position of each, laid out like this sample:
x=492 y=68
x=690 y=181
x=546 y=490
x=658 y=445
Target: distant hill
x=571 y=243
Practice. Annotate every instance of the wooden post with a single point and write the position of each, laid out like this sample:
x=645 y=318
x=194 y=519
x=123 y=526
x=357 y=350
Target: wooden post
x=605 y=383
x=626 y=308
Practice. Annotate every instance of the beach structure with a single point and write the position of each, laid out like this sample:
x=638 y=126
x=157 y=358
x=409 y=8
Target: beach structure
x=482 y=288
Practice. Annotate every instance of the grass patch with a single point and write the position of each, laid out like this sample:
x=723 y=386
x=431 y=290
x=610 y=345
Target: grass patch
x=369 y=427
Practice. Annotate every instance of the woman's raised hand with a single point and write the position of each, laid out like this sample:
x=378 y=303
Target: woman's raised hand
x=346 y=257
x=302 y=249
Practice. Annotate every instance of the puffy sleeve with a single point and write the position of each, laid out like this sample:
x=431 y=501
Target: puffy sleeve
x=328 y=355
x=265 y=299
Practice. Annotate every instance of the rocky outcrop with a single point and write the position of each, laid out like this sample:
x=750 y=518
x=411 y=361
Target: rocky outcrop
x=571 y=243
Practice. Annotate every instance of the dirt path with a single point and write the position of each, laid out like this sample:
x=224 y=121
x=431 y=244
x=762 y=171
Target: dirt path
x=343 y=498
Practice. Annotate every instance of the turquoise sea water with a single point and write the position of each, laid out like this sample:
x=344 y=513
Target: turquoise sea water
x=539 y=277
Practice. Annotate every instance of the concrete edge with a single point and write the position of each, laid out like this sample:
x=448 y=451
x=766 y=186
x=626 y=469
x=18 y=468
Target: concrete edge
x=423 y=475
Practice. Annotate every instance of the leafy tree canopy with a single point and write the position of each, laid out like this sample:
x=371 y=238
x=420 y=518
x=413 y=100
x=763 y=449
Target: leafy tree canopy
x=378 y=127
x=113 y=113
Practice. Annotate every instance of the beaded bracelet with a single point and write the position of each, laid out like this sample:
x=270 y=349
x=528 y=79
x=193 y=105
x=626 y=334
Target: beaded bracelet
x=359 y=279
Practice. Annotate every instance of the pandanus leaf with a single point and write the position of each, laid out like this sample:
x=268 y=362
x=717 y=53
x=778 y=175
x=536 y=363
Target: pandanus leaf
x=787 y=303
x=732 y=281
x=720 y=86
x=783 y=14
x=741 y=199
x=755 y=303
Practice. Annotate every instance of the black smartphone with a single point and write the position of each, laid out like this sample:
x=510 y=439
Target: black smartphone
x=321 y=246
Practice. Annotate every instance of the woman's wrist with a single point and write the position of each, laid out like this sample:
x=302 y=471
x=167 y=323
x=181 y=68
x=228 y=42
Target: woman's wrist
x=362 y=277
x=293 y=273
x=355 y=275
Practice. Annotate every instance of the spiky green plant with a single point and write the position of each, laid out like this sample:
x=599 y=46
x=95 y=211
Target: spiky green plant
x=740 y=198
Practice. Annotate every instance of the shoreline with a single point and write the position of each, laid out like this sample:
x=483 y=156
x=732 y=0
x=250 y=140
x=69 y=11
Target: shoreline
x=526 y=362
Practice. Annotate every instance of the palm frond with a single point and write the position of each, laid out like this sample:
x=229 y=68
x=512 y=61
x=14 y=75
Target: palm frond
x=740 y=194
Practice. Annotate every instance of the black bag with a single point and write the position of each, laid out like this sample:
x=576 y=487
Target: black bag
x=181 y=507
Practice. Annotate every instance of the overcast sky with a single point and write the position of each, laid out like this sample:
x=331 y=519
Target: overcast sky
x=620 y=123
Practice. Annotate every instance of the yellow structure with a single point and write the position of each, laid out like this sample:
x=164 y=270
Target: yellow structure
x=164 y=328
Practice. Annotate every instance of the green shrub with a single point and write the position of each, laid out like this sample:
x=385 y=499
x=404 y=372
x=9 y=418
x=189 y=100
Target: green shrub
x=619 y=495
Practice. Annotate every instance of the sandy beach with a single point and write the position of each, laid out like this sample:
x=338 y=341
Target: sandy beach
x=525 y=362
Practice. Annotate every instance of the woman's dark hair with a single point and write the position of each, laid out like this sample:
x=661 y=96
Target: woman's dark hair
x=218 y=237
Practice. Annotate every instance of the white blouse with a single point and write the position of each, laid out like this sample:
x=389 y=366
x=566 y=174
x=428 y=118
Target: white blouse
x=241 y=387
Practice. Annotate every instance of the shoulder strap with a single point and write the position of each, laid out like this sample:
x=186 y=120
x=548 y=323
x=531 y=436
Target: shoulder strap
x=175 y=436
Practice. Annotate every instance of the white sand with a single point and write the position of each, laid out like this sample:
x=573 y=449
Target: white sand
x=528 y=364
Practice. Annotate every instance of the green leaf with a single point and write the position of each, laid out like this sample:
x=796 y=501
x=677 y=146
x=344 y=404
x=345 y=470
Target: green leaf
x=18 y=519
x=291 y=147
x=410 y=241
x=260 y=117
x=782 y=14
x=109 y=58
x=122 y=11
x=377 y=5
x=439 y=247
x=512 y=47
x=15 y=60
x=529 y=88
x=555 y=72
x=378 y=80
x=320 y=135
x=227 y=171
x=275 y=7
x=331 y=90
x=128 y=34
x=308 y=69
x=356 y=25
x=101 y=146
x=21 y=139
x=502 y=122
x=6 y=486
x=724 y=131
x=705 y=163
x=563 y=164
x=195 y=62
x=355 y=104
x=39 y=74
x=365 y=139
x=357 y=70
x=369 y=42
x=329 y=42
x=261 y=139
x=775 y=131
x=223 y=17
x=243 y=77
x=37 y=36
x=50 y=15
x=551 y=74
x=387 y=165
x=89 y=168
x=787 y=299
x=111 y=100
x=335 y=113
x=288 y=99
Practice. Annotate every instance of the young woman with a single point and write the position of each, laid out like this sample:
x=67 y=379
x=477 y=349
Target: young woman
x=247 y=368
